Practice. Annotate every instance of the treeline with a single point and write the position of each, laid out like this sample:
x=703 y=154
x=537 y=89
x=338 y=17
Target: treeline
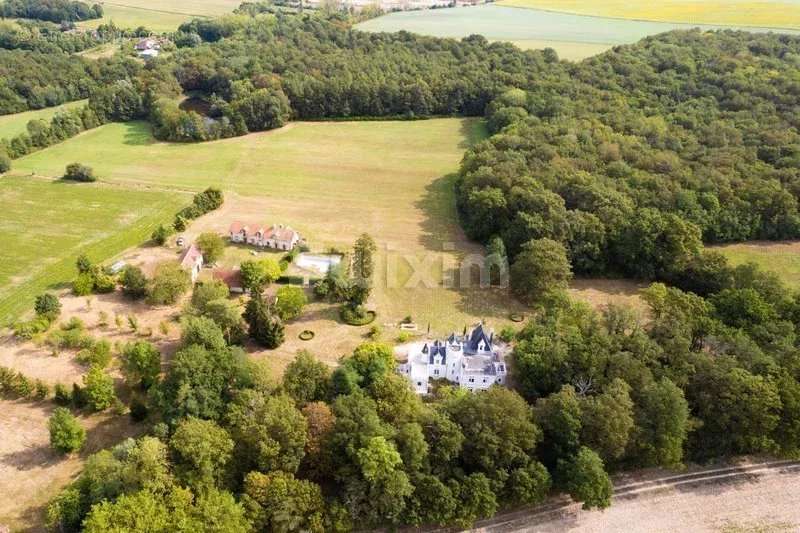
x=50 y=10
x=41 y=134
x=704 y=378
x=46 y=37
x=116 y=100
x=35 y=80
x=257 y=72
x=643 y=153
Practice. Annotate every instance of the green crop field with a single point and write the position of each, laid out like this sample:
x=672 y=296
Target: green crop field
x=763 y=13
x=782 y=258
x=46 y=224
x=330 y=180
x=12 y=125
x=162 y=16
x=573 y=36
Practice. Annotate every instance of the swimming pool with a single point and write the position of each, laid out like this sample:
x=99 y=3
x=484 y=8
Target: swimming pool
x=318 y=262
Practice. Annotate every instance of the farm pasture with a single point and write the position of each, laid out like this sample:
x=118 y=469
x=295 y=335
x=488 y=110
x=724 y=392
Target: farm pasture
x=16 y=123
x=331 y=181
x=47 y=224
x=164 y=16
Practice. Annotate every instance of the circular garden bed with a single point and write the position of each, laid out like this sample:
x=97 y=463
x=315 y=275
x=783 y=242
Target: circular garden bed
x=354 y=318
x=516 y=317
x=306 y=335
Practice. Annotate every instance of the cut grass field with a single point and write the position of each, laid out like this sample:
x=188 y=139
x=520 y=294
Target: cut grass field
x=782 y=258
x=763 y=13
x=47 y=224
x=13 y=125
x=162 y=16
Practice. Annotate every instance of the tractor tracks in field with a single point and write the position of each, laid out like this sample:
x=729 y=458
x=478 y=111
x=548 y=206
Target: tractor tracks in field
x=528 y=518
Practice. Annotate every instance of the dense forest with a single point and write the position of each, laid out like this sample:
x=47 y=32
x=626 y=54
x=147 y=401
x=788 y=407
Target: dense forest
x=34 y=80
x=647 y=151
x=50 y=10
x=260 y=71
x=626 y=163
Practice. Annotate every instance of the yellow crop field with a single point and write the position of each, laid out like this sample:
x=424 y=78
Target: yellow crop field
x=767 y=14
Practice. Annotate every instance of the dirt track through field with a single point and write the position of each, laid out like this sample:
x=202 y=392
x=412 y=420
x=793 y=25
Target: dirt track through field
x=754 y=497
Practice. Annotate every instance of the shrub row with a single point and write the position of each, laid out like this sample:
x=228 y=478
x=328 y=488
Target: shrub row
x=15 y=385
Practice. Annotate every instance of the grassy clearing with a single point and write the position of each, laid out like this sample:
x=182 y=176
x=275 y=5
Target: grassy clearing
x=46 y=224
x=162 y=16
x=566 y=50
x=782 y=257
x=764 y=13
x=13 y=125
x=101 y=51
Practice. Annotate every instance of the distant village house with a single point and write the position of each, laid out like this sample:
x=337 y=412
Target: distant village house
x=279 y=237
x=148 y=47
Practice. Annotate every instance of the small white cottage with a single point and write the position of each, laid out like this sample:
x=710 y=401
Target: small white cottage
x=473 y=361
x=192 y=261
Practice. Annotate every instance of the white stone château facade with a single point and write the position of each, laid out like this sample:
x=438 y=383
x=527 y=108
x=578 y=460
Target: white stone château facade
x=473 y=361
x=279 y=237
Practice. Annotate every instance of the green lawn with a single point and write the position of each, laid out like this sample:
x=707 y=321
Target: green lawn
x=13 y=125
x=46 y=224
x=783 y=258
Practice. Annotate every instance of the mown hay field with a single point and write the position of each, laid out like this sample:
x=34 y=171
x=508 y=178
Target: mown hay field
x=162 y=16
x=46 y=224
